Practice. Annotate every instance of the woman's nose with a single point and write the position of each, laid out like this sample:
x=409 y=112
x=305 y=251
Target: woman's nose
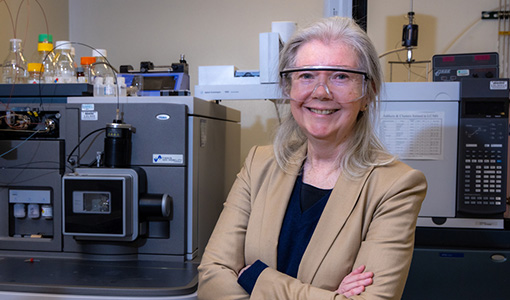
x=322 y=91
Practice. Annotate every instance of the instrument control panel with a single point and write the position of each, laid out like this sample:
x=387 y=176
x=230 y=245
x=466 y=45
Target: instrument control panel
x=483 y=148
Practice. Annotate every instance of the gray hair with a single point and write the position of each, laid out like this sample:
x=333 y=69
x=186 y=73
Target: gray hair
x=364 y=148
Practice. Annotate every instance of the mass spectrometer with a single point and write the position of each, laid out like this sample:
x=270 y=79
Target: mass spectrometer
x=111 y=198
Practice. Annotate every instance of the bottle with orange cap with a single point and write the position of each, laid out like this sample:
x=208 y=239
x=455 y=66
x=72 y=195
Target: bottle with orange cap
x=86 y=64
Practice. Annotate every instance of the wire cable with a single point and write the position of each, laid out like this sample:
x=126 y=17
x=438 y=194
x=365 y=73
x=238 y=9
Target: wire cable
x=107 y=63
x=393 y=51
x=44 y=15
x=28 y=19
x=10 y=17
x=17 y=146
x=469 y=28
x=79 y=143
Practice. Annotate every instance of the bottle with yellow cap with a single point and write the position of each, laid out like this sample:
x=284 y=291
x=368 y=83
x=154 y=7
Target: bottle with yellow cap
x=35 y=71
x=47 y=39
x=45 y=56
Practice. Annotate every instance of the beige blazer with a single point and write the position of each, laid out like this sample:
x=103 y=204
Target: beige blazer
x=367 y=221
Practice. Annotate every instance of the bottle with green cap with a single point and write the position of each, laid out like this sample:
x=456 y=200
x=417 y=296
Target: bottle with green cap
x=48 y=40
x=45 y=38
x=45 y=55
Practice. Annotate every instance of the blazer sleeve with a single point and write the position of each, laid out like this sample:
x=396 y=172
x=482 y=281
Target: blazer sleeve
x=391 y=211
x=223 y=257
x=388 y=246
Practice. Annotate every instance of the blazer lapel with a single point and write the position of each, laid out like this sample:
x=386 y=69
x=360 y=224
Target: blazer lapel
x=275 y=208
x=341 y=202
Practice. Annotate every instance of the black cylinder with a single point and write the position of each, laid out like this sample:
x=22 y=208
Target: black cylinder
x=410 y=35
x=155 y=205
x=117 y=145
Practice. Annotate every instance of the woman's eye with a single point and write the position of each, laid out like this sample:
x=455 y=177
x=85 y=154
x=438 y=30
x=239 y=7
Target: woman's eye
x=305 y=76
x=340 y=76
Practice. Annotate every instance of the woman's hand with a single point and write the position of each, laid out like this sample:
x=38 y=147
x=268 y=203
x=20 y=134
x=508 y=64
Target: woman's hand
x=352 y=284
x=355 y=282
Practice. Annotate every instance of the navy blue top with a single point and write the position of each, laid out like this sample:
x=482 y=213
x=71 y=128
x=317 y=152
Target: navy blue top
x=303 y=213
x=298 y=226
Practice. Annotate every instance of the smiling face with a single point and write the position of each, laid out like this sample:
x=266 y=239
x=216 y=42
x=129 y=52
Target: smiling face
x=320 y=113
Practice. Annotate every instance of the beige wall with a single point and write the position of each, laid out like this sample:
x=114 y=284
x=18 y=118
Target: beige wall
x=31 y=22
x=218 y=32
x=445 y=26
x=225 y=32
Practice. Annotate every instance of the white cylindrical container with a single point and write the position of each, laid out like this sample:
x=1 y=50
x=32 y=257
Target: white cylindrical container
x=98 y=87
x=109 y=87
x=65 y=71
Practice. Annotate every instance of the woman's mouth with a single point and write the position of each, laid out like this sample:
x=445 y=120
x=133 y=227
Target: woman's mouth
x=323 y=111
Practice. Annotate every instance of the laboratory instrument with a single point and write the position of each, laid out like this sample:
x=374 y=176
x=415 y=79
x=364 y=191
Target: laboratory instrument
x=455 y=67
x=111 y=198
x=151 y=80
x=457 y=134
x=228 y=82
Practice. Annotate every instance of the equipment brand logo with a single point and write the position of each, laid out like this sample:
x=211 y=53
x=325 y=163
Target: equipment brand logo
x=169 y=159
x=499 y=85
x=442 y=71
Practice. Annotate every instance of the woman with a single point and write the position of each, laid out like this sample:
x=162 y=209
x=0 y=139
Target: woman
x=307 y=215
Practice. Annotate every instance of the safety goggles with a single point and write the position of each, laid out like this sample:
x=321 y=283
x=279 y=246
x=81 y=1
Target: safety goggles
x=344 y=84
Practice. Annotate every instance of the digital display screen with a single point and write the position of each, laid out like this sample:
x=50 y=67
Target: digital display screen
x=156 y=83
x=484 y=108
x=86 y=202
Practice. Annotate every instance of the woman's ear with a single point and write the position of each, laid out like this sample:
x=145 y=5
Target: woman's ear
x=364 y=104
